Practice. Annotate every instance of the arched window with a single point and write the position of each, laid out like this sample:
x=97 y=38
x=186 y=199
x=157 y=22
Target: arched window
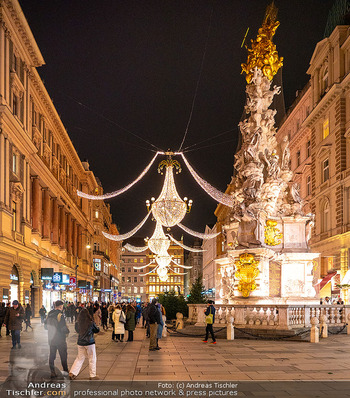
x=324 y=79
x=325 y=214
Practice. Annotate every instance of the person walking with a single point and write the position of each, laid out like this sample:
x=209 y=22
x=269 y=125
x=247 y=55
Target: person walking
x=154 y=321
x=164 y=333
x=27 y=314
x=130 y=324
x=2 y=315
x=104 y=316
x=119 y=323
x=8 y=306
x=13 y=321
x=86 y=328
x=97 y=314
x=111 y=309
x=160 y=325
x=57 y=334
x=210 y=319
x=42 y=313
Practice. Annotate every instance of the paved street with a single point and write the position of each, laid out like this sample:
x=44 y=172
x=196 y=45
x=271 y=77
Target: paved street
x=187 y=358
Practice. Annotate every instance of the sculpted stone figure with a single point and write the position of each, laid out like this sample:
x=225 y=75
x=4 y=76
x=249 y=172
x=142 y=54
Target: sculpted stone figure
x=285 y=153
x=273 y=167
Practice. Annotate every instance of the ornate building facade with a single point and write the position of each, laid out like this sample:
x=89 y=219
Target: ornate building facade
x=319 y=127
x=46 y=230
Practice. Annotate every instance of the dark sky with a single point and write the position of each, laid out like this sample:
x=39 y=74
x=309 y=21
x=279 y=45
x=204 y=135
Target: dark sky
x=136 y=64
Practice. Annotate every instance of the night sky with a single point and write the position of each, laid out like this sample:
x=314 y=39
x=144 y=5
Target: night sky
x=115 y=69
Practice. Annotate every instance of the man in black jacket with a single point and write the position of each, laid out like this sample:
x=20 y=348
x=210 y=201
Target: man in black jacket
x=154 y=321
x=57 y=334
x=210 y=319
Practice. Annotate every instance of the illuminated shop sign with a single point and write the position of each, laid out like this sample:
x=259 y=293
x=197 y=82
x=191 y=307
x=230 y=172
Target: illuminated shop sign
x=57 y=277
x=65 y=279
x=97 y=264
x=13 y=277
x=46 y=274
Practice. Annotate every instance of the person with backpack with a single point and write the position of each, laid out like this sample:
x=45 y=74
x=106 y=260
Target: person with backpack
x=57 y=334
x=85 y=327
x=209 y=320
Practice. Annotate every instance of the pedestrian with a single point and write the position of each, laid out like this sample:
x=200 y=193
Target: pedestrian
x=27 y=315
x=160 y=325
x=104 y=316
x=119 y=323
x=2 y=315
x=111 y=309
x=164 y=334
x=85 y=327
x=13 y=321
x=57 y=334
x=8 y=306
x=154 y=321
x=138 y=313
x=97 y=314
x=42 y=313
x=130 y=322
x=144 y=310
x=209 y=319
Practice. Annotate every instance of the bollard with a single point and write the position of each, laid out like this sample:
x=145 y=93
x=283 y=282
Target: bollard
x=348 y=327
x=179 y=320
x=324 y=326
x=314 y=336
x=230 y=334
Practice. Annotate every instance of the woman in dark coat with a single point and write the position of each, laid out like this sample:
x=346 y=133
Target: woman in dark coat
x=130 y=322
x=85 y=327
x=104 y=316
x=27 y=315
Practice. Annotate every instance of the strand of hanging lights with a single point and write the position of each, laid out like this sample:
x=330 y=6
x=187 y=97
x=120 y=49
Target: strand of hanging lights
x=119 y=238
x=188 y=248
x=135 y=249
x=198 y=234
x=122 y=190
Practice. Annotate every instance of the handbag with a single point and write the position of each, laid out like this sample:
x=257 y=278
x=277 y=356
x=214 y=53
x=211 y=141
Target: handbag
x=209 y=318
x=122 y=318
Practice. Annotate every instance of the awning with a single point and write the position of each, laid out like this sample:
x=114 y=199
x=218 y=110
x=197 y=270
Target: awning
x=326 y=280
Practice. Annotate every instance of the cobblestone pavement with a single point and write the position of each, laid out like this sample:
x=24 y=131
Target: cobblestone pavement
x=188 y=358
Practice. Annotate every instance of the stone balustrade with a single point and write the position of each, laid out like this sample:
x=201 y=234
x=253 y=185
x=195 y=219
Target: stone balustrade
x=271 y=316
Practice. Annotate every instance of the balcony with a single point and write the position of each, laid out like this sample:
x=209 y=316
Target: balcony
x=101 y=253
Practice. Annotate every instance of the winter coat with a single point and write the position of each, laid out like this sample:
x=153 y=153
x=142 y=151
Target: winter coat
x=27 y=314
x=3 y=312
x=56 y=325
x=164 y=334
x=104 y=314
x=154 y=315
x=210 y=310
x=42 y=312
x=118 y=326
x=161 y=324
x=130 y=321
x=88 y=337
x=97 y=317
x=13 y=321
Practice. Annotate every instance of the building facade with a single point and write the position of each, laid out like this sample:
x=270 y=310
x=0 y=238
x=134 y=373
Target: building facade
x=46 y=230
x=194 y=260
x=133 y=283
x=209 y=247
x=320 y=155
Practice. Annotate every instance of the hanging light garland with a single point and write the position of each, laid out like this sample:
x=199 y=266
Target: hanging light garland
x=198 y=234
x=158 y=242
x=122 y=190
x=135 y=249
x=219 y=196
x=119 y=238
x=188 y=248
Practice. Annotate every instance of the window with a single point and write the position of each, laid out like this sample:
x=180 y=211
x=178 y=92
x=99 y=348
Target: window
x=129 y=279
x=14 y=163
x=325 y=129
x=298 y=158
x=14 y=215
x=123 y=278
x=141 y=279
x=308 y=148
x=135 y=278
x=129 y=290
x=135 y=270
x=15 y=104
x=325 y=214
x=325 y=80
x=123 y=269
x=325 y=170
x=123 y=289
x=141 y=290
x=96 y=213
x=308 y=185
x=129 y=269
x=141 y=260
x=135 y=289
x=135 y=260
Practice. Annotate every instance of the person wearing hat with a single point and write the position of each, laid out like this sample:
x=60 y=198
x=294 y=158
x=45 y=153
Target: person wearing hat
x=57 y=333
x=13 y=321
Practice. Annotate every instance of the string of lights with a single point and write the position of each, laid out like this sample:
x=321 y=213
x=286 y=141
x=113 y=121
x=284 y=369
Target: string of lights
x=188 y=248
x=209 y=189
x=119 y=238
x=122 y=190
x=180 y=265
x=144 y=266
x=198 y=234
x=135 y=249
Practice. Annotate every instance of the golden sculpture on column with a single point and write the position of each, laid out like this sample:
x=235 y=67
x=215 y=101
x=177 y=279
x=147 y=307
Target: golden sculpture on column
x=246 y=272
x=273 y=235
